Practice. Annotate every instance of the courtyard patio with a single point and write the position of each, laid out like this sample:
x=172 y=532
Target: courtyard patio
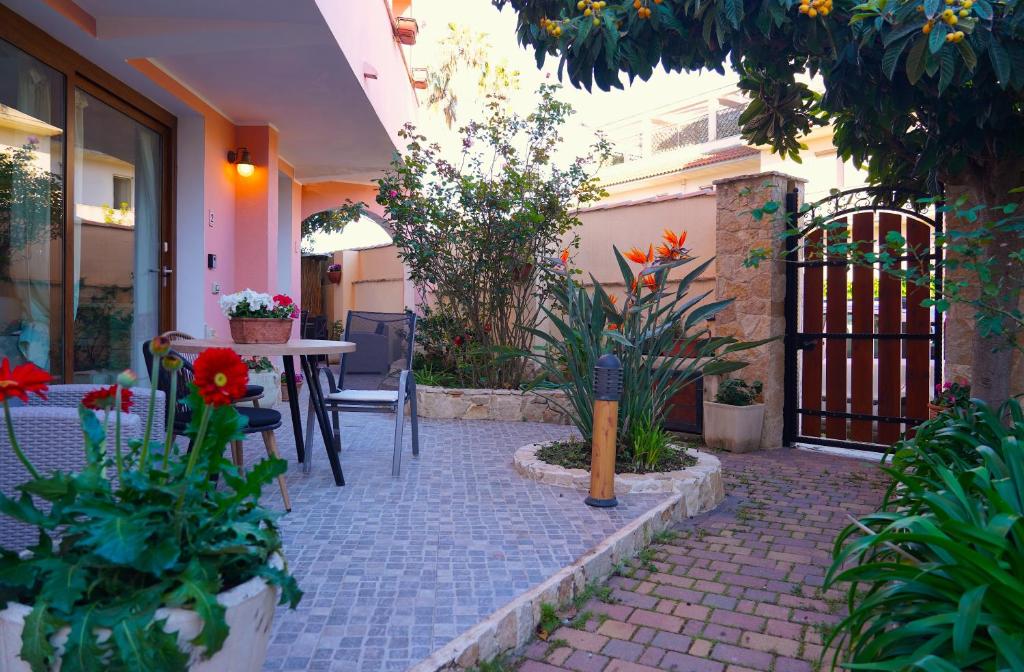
x=394 y=569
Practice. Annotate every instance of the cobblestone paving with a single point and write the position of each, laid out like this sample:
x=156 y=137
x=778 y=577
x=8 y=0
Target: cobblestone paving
x=739 y=588
x=393 y=569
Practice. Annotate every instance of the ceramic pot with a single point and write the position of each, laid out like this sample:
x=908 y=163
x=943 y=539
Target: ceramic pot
x=334 y=277
x=733 y=428
x=250 y=612
x=934 y=410
x=260 y=330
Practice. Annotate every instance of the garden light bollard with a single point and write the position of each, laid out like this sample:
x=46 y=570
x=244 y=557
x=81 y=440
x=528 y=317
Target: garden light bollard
x=607 y=392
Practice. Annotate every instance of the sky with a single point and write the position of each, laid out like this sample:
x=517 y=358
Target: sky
x=595 y=109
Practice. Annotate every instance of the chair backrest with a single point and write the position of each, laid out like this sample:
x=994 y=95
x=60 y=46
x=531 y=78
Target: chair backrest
x=384 y=345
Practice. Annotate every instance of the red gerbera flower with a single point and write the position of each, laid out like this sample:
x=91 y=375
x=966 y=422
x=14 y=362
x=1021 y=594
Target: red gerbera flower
x=103 y=399
x=283 y=300
x=221 y=376
x=23 y=379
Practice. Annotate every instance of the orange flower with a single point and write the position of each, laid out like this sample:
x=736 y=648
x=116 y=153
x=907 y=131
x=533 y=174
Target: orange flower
x=614 y=299
x=650 y=253
x=613 y=327
x=670 y=238
x=682 y=238
x=220 y=376
x=103 y=399
x=651 y=282
x=632 y=288
x=564 y=256
x=636 y=255
x=665 y=252
x=23 y=379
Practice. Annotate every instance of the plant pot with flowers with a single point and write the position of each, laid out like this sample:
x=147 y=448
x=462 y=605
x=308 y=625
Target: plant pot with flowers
x=263 y=373
x=153 y=556
x=334 y=273
x=284 y=385
x=951 y=394
x=259 y=318
x=733 y=421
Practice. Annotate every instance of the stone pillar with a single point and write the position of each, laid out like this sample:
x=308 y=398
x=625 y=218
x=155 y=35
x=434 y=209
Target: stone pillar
x=758 y=311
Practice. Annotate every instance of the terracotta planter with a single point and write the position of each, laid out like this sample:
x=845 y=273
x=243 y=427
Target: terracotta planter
x=250 y=611
x=334 y=277
x=260 y=330
x=733 y=428
x=934 y=410
x=284 y=390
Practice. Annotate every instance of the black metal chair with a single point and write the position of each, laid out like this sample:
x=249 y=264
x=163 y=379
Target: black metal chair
x=253 y=393
x=259 y=420
x=377 y=377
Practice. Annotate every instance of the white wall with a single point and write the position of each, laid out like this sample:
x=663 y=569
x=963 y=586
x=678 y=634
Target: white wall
x=190 y=252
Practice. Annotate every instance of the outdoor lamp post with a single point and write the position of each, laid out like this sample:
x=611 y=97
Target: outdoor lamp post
x=607 y=392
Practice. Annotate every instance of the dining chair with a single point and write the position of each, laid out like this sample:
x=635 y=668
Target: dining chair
x=261 y=421
x=376 y=377
x=253 y=393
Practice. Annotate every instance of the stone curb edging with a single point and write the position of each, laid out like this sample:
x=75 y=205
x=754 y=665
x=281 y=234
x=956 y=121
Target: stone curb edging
x=513 y=625
x=698 y=479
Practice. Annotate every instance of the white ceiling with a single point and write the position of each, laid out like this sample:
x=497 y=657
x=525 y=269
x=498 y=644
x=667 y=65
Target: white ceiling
x=279 y=64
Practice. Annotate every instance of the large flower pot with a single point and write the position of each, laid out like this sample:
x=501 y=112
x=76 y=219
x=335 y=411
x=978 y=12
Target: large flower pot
x=250 y=612
x=270 y=382
x=733 y=428
x=260 y=330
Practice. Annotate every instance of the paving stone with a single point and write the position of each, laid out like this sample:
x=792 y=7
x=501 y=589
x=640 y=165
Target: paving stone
x=746 y=589
x=584 y=661
x=616 y=629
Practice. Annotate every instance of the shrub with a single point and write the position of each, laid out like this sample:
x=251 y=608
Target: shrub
x=737 y=392
x=936 y=577
x=587 y=324
x=473 y=235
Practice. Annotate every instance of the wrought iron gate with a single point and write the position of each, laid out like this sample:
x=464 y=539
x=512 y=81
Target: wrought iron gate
x=862 y=353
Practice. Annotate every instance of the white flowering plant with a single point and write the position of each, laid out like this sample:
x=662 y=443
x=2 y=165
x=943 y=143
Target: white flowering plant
x=250 y=304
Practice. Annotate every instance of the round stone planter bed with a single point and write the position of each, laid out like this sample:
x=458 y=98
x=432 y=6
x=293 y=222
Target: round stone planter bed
x=450 y=403
x=700 y=484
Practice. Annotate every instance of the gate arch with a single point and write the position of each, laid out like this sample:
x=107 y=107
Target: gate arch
x=862 y=353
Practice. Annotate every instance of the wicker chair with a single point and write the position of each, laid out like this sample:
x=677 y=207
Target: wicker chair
x=50 y=434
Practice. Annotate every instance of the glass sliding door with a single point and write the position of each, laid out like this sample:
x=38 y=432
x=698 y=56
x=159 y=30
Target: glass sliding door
x=116 y=271
x=32 y=131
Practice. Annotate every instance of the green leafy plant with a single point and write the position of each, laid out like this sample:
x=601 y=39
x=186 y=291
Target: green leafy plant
x=585 y=324
x=473 y=234
x=935 y=578
x=737 y=392
x=649 y=444
x=259 y=364
x=144 y=525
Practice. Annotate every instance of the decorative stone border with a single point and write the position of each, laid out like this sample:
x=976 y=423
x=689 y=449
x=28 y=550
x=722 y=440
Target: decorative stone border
x=449 y=403
x=513 y=625
x=703 y=480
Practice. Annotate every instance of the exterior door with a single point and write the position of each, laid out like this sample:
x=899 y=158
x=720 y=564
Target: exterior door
x=862 y=353
x=85 y=211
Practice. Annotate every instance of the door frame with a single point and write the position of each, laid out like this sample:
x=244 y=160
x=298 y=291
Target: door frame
x=80 y=73
x=806 y=219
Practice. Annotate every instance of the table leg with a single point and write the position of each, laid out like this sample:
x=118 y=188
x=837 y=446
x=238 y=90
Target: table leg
x=293 y=404
x=316 y=395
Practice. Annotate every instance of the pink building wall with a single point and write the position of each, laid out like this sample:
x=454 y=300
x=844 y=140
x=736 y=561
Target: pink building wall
x=328 y=195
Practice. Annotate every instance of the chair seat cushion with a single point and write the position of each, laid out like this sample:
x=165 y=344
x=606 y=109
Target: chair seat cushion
x=253 y=392
x=260 y=417
x=363 y=396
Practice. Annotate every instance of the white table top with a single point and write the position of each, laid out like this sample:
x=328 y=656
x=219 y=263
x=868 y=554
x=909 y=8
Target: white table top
x=296 y=346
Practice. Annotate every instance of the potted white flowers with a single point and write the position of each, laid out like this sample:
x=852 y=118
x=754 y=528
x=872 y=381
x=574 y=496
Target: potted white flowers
x=733 y=421
x=259 y=318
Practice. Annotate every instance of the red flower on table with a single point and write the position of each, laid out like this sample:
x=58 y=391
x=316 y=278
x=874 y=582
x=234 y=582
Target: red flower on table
x=220 y=376
x=103 y=399
x=25 y=378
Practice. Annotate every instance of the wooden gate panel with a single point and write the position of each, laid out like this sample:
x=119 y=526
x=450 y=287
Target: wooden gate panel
x=862 y=388
x=918 y=322
x=835 y=346
x=813 y=304
x=890 y=302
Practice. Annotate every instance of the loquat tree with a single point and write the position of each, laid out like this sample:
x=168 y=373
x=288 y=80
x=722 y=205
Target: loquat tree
x=927 y=95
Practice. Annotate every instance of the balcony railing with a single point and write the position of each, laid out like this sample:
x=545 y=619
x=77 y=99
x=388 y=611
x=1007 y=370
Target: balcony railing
x=695 y=131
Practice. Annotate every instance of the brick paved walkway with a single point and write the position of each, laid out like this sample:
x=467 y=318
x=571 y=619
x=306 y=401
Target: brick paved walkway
x=737 y=589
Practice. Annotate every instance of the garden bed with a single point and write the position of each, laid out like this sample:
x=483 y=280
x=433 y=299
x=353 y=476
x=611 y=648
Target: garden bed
x=448 y=403
x=700 y=483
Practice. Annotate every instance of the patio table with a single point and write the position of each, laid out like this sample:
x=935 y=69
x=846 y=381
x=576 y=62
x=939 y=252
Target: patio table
x=304 y=349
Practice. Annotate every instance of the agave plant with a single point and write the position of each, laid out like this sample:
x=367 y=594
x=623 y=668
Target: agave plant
x=659 y=335
x=935 y=579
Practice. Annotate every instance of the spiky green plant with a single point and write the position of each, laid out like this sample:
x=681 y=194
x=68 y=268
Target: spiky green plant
x=935 y=579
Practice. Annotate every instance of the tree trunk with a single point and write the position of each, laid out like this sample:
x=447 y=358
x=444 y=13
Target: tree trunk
x=992 y=356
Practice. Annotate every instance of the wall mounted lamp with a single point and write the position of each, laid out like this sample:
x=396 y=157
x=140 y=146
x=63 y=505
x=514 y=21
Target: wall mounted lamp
x=243 y=162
